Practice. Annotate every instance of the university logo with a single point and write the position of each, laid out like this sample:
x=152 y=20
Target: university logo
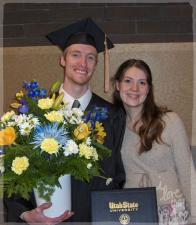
x=124 y=219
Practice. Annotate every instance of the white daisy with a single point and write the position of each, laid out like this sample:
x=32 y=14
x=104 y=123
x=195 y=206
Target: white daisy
x=71 y=148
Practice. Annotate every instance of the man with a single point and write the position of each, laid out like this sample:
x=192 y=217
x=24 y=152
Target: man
x=81 y=42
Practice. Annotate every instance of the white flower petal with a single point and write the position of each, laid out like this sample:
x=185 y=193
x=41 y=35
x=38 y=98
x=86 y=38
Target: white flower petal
x=108 y=181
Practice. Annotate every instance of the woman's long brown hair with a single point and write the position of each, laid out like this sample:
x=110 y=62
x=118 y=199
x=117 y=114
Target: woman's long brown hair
x=151 y=116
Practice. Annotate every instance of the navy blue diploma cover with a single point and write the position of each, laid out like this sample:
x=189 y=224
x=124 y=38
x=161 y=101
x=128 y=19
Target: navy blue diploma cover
x=126 y=206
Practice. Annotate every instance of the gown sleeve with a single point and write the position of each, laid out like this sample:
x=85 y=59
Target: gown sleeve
x=15 y=206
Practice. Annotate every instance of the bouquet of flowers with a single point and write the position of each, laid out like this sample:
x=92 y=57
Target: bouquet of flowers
x=42 y=140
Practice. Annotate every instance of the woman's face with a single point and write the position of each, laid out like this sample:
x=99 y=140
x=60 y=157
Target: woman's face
x=133 y=88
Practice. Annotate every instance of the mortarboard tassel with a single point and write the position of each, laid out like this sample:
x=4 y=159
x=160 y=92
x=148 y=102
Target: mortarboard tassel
x=106 y=68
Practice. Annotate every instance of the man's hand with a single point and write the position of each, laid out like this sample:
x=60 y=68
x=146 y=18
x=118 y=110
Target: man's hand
x=36 y=216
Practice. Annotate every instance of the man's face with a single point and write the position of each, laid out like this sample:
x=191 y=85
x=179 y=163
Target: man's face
x=79 y=61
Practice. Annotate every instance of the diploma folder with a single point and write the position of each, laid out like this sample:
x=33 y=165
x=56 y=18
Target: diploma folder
x=125 y=206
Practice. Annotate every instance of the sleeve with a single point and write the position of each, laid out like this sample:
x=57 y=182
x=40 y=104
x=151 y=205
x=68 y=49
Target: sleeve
x=14 y=207
x=184 y=162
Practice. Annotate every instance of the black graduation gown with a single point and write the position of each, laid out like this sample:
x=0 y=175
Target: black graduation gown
x=112 y=167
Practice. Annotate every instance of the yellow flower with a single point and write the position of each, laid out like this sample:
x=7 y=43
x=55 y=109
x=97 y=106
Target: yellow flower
x=7 y=136
x=58 y=101
x=7 y=116
x=94 y=153
x=88 y=151
x=45 y=103
x=82 y=131
x=19 y=95
x=54 y=116
x=50 y=145
x=15 y=105
x=100 y=132
x=20 y=164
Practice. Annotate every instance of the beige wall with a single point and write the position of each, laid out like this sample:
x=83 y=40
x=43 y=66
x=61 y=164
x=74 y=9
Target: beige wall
x=194 y=99
x=193 y=141
x=1 y=81
x=171 y=64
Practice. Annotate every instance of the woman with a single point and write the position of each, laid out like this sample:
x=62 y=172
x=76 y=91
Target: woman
x=155 y=149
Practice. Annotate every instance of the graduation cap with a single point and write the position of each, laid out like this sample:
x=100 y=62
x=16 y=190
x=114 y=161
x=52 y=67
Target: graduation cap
x=84 y=32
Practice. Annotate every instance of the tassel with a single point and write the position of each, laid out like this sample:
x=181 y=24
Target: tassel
x=106 y=68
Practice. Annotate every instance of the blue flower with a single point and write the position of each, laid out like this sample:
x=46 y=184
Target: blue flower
x=2 y=151
x=97 y=114
x=34 y=84
x=49 y=131
x=101 y=113
x=37 y=92
x=87 y=116
x=31 y=93
x=43 y=92
x=26 y=85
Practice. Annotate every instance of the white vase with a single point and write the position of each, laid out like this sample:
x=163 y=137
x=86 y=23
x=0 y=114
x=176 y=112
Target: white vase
x=61 y=198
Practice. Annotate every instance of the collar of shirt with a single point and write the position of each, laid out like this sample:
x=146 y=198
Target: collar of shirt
x=84 y=100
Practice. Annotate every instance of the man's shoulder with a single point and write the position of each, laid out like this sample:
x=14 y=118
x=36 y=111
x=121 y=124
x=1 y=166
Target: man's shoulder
x=101 y=102
x=100 y=99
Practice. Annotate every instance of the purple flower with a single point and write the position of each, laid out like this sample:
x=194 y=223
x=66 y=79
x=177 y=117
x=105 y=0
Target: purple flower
x=23 y=101
x=23 y=109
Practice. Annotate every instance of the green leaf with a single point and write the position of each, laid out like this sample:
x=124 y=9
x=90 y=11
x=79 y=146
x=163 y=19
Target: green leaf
x=102 y=150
